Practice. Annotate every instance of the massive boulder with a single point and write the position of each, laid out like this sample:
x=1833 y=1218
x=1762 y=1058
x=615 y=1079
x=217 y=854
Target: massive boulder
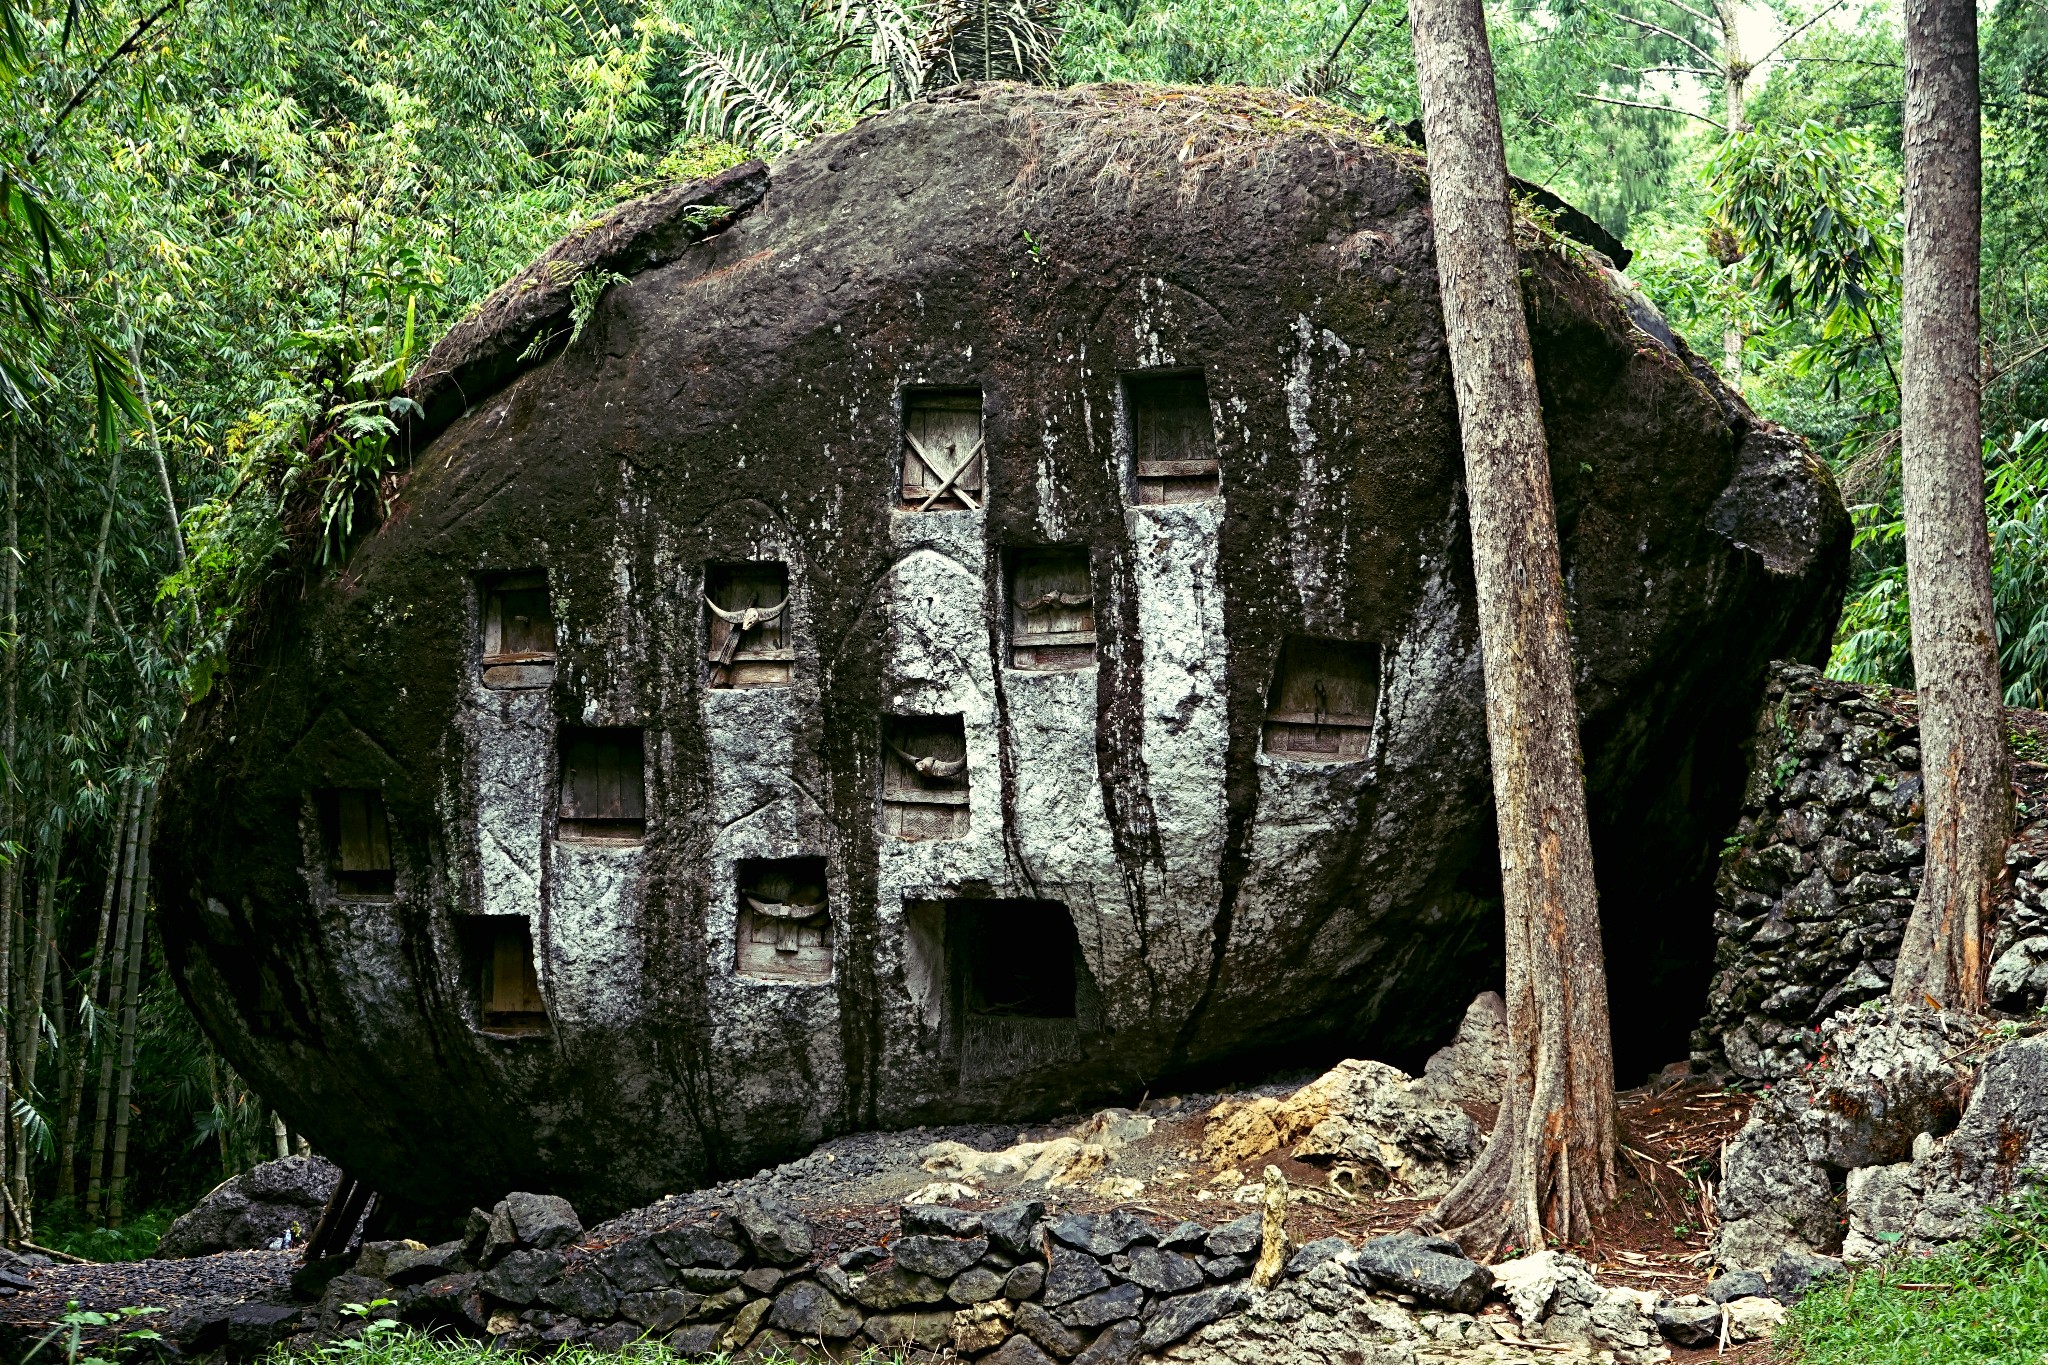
x=1152 y=740
x=254 y=1209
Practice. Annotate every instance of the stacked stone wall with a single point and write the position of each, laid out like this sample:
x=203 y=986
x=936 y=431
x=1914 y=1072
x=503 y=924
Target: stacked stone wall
x=1819 y=876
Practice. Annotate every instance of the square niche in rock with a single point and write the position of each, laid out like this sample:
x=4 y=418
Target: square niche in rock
x=785 y=925
x=604 y=792
x=1172 y=437
x=746 y=624
x=1052 y=608
x=924 y=777
x=518 y=631
x=944 y=466
x=357 y=839
x=1324 y=696
x=1004 y=980
x=1013 y=959
x=498 y=956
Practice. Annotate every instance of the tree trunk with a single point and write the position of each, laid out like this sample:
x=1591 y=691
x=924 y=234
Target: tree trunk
x=120 y=876
x=1549 y=1165
x=1734 y=66
x=1963 y=753
x=117 y=1178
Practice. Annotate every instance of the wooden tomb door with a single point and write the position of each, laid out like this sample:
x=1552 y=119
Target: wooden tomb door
x=746 y=624
x=924 y=777
x=604 y=798
x=362 y=845
x=785 y=930
x=512 y=1000
x=1052 y=609
x=519 y=632
x=1325 y=693
x=1173 y=438
x=943 y=462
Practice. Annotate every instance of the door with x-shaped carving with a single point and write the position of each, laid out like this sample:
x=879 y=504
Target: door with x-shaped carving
x=944 y=466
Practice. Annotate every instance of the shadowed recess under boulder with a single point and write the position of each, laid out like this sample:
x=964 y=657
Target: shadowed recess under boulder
x=974 y=625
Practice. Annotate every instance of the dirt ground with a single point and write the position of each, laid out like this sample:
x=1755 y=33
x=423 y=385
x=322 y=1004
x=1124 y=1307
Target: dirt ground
x=1656 y=1236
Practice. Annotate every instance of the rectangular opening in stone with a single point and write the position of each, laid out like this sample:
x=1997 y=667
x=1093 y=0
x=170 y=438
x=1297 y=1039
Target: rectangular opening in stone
x=518 y=631
x=499 y=949
x=1172 y=437
x=785 y=926
x=924 y=777
x=1323 y=699
x=604 y=796
x=1013 y=959
x=1052 y=608
x=943 y=461
x=358 y=839
x=746 y=624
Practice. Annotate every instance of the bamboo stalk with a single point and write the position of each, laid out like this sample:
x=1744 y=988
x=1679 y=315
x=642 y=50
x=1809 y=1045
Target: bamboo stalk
x=29 y=1037
x=120 y=876
x=117 y=975
x=118 y=1179
x=10 y=875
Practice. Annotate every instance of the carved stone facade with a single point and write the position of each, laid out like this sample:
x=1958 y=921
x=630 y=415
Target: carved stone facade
x=979 y=625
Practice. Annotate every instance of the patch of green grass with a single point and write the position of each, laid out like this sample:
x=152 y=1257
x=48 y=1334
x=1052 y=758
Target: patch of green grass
x=61 y=1227
x=1980 y=1303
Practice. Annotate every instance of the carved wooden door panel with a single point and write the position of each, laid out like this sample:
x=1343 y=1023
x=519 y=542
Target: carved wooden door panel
x=785 y=928
x=746 y=632
x=924 y=777
x=1052 y=609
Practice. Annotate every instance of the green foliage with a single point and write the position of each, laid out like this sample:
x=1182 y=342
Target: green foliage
x=132 y=1337
x=1984 y=1302
x=1875 y=641
x=63 y=1226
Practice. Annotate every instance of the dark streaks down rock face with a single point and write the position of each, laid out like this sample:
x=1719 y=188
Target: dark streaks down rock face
x=743 y=401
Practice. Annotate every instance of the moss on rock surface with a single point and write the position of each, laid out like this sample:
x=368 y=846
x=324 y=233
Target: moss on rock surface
x=426 y=906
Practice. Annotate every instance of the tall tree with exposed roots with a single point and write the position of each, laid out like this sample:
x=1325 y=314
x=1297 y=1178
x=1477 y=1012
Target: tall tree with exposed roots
x=1963 y=754
x=1549 y=1166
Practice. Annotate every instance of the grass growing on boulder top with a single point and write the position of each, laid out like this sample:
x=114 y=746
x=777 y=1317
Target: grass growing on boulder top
x=1984 y=1302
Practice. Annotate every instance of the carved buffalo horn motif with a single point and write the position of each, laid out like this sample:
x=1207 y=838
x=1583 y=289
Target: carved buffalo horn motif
x=943 y=768
x=785 y=909
x=748 y=618
x=741 y=622
x=1056 y=599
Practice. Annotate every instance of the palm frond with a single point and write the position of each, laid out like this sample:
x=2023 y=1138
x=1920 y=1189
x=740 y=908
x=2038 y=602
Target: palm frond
x=990 y=40
x=895 y=33
x=739 y=96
